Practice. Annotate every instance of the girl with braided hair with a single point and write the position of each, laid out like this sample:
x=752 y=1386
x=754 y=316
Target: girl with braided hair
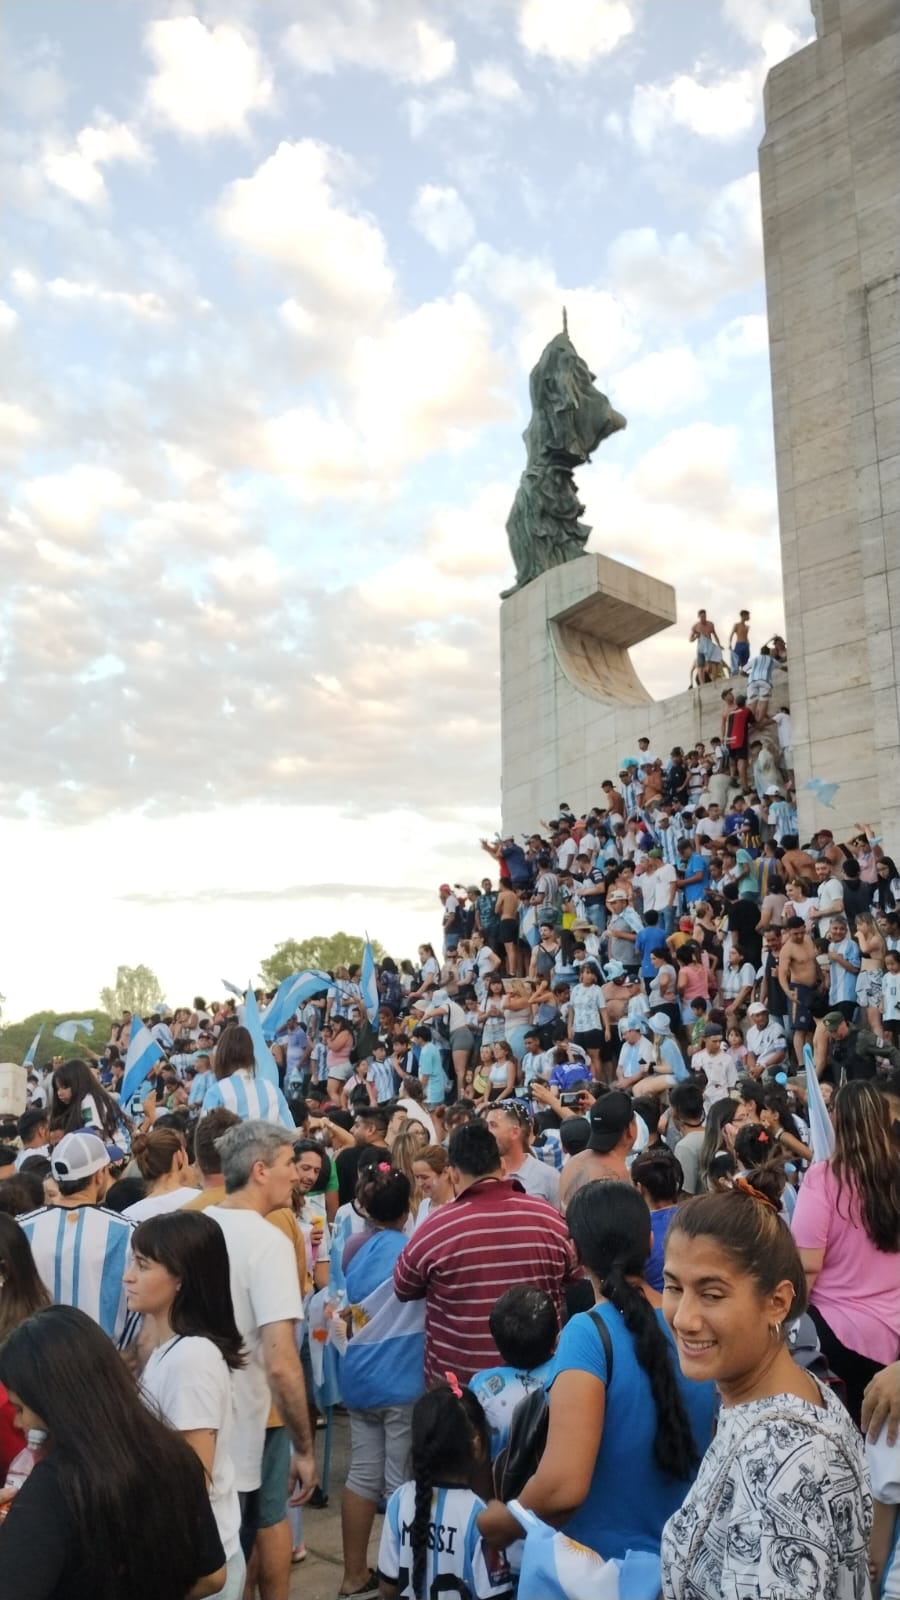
x=620 y=1413
x=430 y=1541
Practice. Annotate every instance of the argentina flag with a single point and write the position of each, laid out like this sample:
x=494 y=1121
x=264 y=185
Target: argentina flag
x=68 y=1030
x=369 y=982
x=557 y=1568
x=821 y=1132
x=291 y=993
x=32 y=1048
x=265 y=1061
x=143 y=1054
x=386 y=1355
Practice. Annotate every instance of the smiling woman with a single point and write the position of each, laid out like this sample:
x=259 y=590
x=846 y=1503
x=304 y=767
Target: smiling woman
x=781 y=1500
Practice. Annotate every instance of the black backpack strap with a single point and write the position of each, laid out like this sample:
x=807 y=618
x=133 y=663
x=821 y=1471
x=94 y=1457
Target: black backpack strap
x=606 y=1341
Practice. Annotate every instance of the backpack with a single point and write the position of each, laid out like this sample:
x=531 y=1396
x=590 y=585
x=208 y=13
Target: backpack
x=528 y=1430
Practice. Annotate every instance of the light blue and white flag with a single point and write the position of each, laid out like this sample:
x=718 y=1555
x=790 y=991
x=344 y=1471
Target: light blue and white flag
x=265 y=1061
x=555 y=1567
x=142 y=1054
x=369 y=982
x=386 y=1356
x=821 y=1132
x=824 y=792
x=233 y=988
x=291 y=993
x=68 y=1030
x=32 y=1048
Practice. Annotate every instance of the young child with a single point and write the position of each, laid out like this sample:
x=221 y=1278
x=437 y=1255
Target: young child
x=525 y=1328
x=716 y=1065
x=430 y=1535
x=382 y=1078
x=890 y=995
x=737 y=1049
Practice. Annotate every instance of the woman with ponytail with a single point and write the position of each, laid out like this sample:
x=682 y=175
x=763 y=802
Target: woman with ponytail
x=430 y=1543
x=781 y=1505
x=620 y=1413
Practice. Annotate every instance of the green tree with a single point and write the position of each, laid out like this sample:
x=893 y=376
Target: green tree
x=136 y=989
x=324 y=952
x=15 y=1039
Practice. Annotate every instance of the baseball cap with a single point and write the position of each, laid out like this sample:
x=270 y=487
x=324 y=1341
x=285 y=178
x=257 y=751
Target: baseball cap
x=833 y=1019
x=757 y=1009
x=712 y=1031
x=610 y=1116
x=654 y=855
x=773 y=789
x=444 y=888
x=77 y=1156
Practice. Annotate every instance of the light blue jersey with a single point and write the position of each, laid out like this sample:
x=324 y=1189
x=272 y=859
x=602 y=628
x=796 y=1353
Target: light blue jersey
x=842 y=986
x=499 y=1390
x=81 y=1253
x=455 y=1548
x=249 y=1097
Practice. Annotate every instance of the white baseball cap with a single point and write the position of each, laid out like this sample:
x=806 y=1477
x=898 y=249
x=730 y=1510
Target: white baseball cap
x=773 y=789
x=757 y=1009
x=77 y=1156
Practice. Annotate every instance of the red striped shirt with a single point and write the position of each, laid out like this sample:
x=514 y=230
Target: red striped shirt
x=465 y=1255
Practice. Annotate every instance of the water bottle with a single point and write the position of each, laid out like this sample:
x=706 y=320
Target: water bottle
x=23 y=1464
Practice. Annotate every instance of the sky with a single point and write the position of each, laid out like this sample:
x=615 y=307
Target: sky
x=273 y=274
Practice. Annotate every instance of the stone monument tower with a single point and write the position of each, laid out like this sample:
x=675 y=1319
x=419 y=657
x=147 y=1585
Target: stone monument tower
x=830 y=182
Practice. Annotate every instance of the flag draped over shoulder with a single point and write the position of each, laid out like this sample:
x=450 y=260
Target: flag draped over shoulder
x=555 y=1567
x=68 y=1030
x=821 y=1132
x=262 y=1055
x=291 y=993
x=385 y=1360
x=369 y=983
x=142 y=1055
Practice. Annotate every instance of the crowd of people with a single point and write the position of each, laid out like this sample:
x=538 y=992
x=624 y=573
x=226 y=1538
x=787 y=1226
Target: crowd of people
x=554 y=1223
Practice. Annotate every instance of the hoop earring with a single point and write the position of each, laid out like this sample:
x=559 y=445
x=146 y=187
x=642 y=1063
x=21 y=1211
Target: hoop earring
x=775 y=1331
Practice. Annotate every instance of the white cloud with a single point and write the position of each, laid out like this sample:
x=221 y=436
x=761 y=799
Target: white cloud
x=688 y=273
x=31 y=80
x=18 y=428
x=8 y=317
x=599 y=321
x=578 y=33
x=70 y=504
x=396 y=40
x=660 y=383
x=776 y=27
x=722 y=108
x=741 y=337
x=495 y=81
x=76 y=169
x=442 y=217
x=208 y=80
x=289 y=212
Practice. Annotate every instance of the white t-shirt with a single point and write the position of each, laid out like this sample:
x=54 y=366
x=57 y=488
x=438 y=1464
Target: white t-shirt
x=890 y=997
x=566 y=854
x=588 y=1007
x=187 y=1381
x=155 y=1205
x=711 y=828
x=830 y=893
x=764 y=1042
x=655 y=887
x=783 y=719
x=264 y=1289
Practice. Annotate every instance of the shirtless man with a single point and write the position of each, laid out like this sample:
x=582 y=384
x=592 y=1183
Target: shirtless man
x=506 y=909
x=796 y=863
x=709 y=646
x=613 y=1132
x=739 y=643
x=798 y=975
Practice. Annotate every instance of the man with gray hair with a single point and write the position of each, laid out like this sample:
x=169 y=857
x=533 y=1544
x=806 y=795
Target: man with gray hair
x=259 y=1170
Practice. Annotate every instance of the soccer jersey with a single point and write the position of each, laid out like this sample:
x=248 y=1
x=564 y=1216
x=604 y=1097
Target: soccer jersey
x=499 y=1390
x=588 y=1007
x=842 y=985
x=890 y=997
x=249 y=1097
x=383 y=1080
x=81 y=1253
x=455 y=1548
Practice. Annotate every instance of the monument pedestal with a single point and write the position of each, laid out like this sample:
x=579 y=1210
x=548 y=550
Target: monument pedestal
x=572 y=704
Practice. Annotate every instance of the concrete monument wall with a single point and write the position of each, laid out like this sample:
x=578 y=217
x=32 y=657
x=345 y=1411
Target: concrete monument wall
x=573 y=705
x=830 y=183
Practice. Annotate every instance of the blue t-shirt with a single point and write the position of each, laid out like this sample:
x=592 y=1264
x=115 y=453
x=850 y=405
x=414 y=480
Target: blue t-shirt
x=630 y=1498
x=660 y=1222
x=432 y=1075
x=695 y=891
x=649 y=939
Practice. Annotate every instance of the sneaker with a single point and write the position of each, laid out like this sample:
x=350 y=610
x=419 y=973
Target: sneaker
x=298 y=1554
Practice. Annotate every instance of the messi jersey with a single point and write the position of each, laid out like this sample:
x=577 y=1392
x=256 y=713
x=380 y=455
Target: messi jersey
x=458 y=1563
x=81 y=1253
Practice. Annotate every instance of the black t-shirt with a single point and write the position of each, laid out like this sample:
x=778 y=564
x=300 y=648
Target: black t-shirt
x=743 y=915
x=39 y=1551
x=347 y=1164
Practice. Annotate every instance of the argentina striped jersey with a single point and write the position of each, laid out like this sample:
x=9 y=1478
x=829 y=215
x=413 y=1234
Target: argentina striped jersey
x=81 y=1253
x=458 y=1563
x=249 y=1097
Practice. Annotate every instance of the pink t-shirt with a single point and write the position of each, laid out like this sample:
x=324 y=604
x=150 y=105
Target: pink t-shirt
x=858 y=1287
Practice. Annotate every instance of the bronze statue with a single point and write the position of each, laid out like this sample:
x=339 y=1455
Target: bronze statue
x=569 y=419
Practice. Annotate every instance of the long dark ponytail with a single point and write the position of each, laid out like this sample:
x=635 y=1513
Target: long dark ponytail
x=445 y=1427
x=610 y=1226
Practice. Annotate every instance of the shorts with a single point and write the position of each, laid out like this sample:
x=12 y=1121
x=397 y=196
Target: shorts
x=508 y=930
x=868 y=988
x=740 y=754
x=594 y=1039
x=703 y=648
x=340 y=1071
x=380 y=1442
x=451 y=942
x=801 y=1007
x=265 y=1506
x=462 y=1039
x=758 y=690
x=740 y=650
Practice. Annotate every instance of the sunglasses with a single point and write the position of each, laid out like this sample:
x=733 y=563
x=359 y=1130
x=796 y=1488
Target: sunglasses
x=516 y=1108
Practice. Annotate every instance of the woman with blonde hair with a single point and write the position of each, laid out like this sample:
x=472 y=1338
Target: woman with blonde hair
x=433 y=1183
x=162 y=1161
x=405 y=1152
x=847 y=1227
